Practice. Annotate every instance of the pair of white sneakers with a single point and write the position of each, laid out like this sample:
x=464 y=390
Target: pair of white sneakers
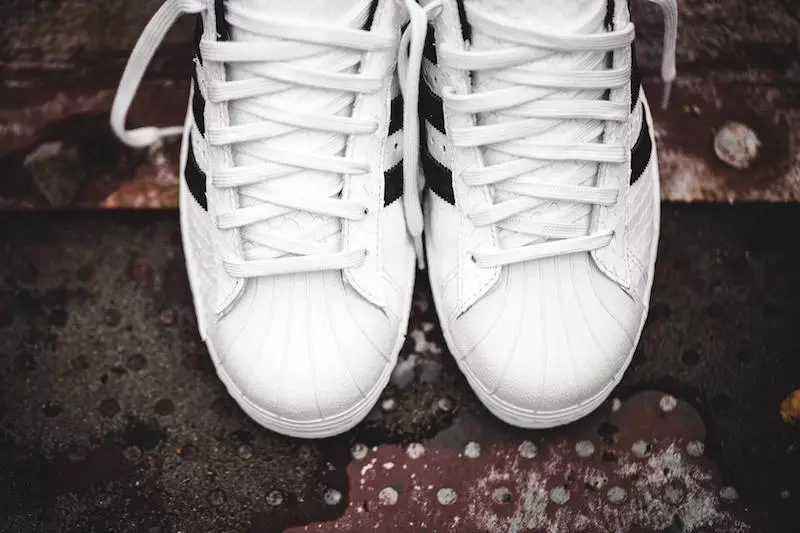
x=301 y=208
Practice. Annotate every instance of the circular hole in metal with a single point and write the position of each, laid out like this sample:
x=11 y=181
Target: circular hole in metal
x=559 y=495
x=388 y=496
x=729 y=494
x=667 y=403
x=690 y=357
x=332 y=497
x=359 y=451
x=527 y=449
x=695 y=448
x=617 y=495
x=584 y=448
x=415 y=450
x=501 y=495
x=640 y=448
x=737 y=145
x=132 y=453
x=472 y=450
x=389 y=405
x=274 y=498
x=446 y=496
x=304 y=452
x=445 y=404
x=244 y=451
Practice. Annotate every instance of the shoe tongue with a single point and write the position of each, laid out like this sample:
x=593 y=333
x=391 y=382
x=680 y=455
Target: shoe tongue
x=559 y=15
x=562 y=17
x=352 y=13
x=345 y=13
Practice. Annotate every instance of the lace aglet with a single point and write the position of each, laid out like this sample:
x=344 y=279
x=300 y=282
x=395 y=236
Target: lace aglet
x=667 y=95
x=420 y=251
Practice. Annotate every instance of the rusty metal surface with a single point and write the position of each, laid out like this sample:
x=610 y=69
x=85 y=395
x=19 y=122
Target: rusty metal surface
x=112 y=418
x=60 y=62
x=690 y=168
x=632 y=466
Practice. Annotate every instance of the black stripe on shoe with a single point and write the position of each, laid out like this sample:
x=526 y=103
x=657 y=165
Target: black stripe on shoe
x=641 y=151
x=198 y=35
x=466 y=28
x=636 y=76
x=393 y=184
x=198 y=105
x=636 y=79
x=437 y=176
x=371 y=15
x=195 y=177
x=396 y=115
x=429 y=52
x=609 y=19
x=431 y=106
x=223 y=28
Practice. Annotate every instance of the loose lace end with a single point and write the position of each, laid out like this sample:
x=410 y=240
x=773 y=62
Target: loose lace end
x=147 y=136
x=420 y=251
x=667 y=95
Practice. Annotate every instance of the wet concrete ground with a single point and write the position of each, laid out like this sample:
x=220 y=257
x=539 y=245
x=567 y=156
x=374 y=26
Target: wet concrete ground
x=112 y=418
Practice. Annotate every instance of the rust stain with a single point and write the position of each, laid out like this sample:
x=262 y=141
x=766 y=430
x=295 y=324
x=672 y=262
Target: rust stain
x=86 y=166
x=790 y=408
x=637 y=468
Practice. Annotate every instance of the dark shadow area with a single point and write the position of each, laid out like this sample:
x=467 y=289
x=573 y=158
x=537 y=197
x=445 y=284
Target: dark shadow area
x=112 y=417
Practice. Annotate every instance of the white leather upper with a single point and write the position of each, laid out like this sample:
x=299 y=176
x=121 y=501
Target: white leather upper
x=368 y=279
x=223 y=289
x=544 y=335
x=473 y=282
x=613 y=260
x=308 y=346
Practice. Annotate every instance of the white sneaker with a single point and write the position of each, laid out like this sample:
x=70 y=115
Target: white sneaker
x=295 y=238
x=543 y=214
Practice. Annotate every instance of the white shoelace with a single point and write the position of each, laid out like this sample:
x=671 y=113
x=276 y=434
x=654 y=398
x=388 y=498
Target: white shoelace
x=539 y=237
x=271 y=254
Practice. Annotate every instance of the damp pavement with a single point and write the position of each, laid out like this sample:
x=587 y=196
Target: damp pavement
x=112 y=418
